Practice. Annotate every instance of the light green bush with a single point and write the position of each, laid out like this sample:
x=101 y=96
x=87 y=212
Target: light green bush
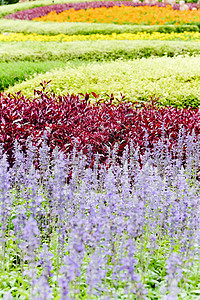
x=52 y=28
x=94 y=50
x=174 y=80
x=15 y=72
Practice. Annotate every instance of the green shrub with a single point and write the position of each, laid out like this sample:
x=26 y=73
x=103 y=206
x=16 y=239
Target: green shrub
x=94 y=50
x=5 y=2
x=174 y=81
x=15 y=72
x=86 y=28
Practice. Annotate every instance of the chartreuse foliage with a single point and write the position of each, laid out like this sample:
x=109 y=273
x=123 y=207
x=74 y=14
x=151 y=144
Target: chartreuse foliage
x=94 y=50
x=51 y=28
x=18 y=71
x=174 y=80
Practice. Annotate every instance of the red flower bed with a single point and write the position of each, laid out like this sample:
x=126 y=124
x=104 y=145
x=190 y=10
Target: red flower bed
x=71 y=119
x=37 y=12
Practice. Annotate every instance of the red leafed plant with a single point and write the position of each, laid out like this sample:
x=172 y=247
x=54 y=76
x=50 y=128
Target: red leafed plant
x=71 y=119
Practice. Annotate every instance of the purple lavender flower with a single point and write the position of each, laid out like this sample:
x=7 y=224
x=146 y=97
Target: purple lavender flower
x=5 y=203
x=96 y=272
x=46 y=261
x=18 y=170
x=7 y=296
x=64 y=288
x=174 y=275
x=41 y=289
x=31 y=240
x=125 y=270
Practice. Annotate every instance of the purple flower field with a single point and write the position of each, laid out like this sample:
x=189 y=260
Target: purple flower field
x=113 y=231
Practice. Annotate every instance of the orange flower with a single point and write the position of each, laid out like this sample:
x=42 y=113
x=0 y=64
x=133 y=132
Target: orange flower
x=146 y=15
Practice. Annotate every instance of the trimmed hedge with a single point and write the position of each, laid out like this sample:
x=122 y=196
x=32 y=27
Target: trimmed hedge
x=94 y=50
x=70 y=120
x=26 y=27
x=175 y=81
x=15 y=72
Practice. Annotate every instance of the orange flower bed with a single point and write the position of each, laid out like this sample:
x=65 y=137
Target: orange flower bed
x=147 y=15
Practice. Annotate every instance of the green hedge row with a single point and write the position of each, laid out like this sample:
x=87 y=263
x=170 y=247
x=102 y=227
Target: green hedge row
x=95 y=50
x=51 y=28
x=15 y=72
x=174 y=81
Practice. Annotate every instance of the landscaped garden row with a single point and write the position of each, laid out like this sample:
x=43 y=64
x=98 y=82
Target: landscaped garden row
x=111 y=6
x=13 y=72
x=116 y=216
x=144 y=15
x=9 y=9
x=174 y=81
x=52 y=28
x=23 y=60
x=173 y=36
x=68 y=121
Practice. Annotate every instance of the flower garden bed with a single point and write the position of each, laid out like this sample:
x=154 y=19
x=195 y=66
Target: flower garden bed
x=111 y=12
x=99 y=191
x=71 y=120
x=43 y=11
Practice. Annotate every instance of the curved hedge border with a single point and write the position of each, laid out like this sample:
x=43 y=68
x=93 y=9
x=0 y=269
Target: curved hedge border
x=174 y=80
x=44 y=28
x=100 y=51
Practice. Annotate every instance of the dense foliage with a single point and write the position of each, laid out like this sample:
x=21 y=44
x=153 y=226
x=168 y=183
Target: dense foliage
x=91 y=51
x=175 y=81
x=76 y=28
x=12 y=73
x=71 y=120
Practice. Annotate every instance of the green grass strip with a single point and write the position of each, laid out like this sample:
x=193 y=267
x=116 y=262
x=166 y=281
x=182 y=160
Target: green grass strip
x=52 y=28
x=175 y=80
x=15 y=72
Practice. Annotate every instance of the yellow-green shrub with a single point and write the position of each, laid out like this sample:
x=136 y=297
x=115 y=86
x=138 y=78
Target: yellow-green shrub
x=174 y=80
